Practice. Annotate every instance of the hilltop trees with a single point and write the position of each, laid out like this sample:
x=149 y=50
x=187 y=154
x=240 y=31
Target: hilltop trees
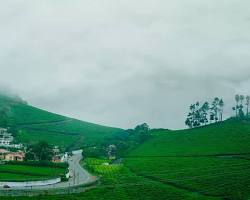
x=240 y=105
x=215 y=109
x=198 y=114
x=204 y=112
x=237 y=99
x=221 y=109
x=247 y=103
x=193 y=119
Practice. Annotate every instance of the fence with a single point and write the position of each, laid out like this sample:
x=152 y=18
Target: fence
x=31 y=183
x=50 y=191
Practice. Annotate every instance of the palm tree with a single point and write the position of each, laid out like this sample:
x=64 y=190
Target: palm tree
x=237 y=99
x=221 y=104
x=247 y=103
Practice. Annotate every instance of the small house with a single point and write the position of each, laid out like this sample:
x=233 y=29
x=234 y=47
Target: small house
x=14 y=156
x=3 y=152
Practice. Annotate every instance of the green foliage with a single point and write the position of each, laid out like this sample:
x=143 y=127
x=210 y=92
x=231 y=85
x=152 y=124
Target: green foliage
x=211 y=160
x=39 y=164
x=95 y=152
x=198 y=114
x=242 y=103
x=41 y=151
x=120 y=144
x=17 y=172
x=31 y=125
x=187 y=164
x=102 y=166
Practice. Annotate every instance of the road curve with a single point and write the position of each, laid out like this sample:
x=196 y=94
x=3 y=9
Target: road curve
x=79 y=176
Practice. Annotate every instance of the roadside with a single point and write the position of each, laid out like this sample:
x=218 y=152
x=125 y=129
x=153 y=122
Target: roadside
x=79 y=176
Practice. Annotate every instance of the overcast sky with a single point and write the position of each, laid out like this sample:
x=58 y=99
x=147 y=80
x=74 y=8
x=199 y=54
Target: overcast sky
x=124 y=62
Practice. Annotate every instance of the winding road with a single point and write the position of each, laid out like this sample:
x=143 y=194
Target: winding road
x=79 y=176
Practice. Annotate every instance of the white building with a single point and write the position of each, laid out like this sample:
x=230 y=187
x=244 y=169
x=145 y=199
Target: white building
x=65 y=157
x=5 y=137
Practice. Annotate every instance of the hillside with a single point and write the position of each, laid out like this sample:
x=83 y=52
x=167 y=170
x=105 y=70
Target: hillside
x=32 y=124
x=212 y=161
x=206 y=163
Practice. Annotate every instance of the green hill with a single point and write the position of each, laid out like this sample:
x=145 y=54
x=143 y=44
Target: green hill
x=206 y=163
x=31 y=124
x=213 y=161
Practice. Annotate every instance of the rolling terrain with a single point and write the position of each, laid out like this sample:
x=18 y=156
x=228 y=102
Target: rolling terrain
x=31 y=124
x=206 y=163
x=213 y=161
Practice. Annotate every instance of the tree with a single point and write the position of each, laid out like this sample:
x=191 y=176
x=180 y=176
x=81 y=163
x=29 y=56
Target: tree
x=143 y=131
x=215 y=109
x=193 y=118
x=241 y=112
x=242 y=97
x=247 y=104
x=189 y=123
x=197 y=115
x=192 y=114
x=237 y=99
x=41 y=151
x=204 y=109
x=142 y=128
x=240 y=107
x=234 y=109
x=221 y=105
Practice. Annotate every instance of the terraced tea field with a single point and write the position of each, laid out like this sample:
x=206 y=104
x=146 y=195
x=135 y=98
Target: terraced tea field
x=199 y=160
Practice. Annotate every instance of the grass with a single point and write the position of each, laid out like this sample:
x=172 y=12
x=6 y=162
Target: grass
x=30 y=136
x=206 y=163
x=34 y=125
x=119 y=183
x=10 y=172
x=198 y=160
x=103 y=167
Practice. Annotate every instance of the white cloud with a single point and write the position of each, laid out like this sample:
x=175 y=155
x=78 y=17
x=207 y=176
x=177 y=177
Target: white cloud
x=124 y=62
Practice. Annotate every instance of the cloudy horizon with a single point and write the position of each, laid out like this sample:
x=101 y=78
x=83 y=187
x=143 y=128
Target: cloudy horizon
x=121 y=63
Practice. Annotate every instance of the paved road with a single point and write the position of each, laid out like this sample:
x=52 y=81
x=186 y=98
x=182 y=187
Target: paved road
x=79 y=176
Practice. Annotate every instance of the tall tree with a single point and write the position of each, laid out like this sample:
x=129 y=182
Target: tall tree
x=241 y=107
x=247 y=104
x=192 y=115
x=242 y=97
x=237 y=99
x=221 y=105
x=204 y=112
x=215 y=109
